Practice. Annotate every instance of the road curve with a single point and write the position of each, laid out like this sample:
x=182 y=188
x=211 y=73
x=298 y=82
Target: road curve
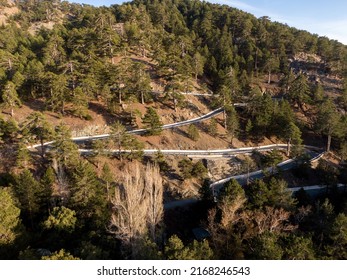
x=203 y=153
x=315 y=152
x=143 y=130
x=221 y=152
x=283 y=166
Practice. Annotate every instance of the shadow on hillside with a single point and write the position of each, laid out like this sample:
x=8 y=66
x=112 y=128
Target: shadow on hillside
x=149 y=64
x=180 y=131
x=39 y=105
x=36 y=105
x=106 y=115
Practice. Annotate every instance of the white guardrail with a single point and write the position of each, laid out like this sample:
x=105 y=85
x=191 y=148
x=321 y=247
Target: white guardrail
x=219 y=152
x=201 y=152
x=259 y=172
x=143 y=130
x=139 y=131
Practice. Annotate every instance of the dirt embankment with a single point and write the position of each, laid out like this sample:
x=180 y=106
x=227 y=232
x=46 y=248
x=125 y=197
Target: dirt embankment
x=6 y=12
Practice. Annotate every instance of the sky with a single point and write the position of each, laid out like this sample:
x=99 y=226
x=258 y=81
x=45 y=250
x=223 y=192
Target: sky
x=323 y=17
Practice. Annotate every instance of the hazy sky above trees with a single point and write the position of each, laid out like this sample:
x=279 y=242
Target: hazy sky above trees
x=325 y=18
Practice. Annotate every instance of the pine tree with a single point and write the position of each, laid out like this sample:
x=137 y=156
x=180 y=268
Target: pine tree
x=64 y=150
x=119 y=136
x=278 y=195
x=186 y=168
x=249 y=127
x=60 y=255
x=152 y=122
x=299 y=92
x=198 y=64
x=231 y=190
x=108 y=179
x=58 y=92
x=199 y=170
x=47 y=182
x=80 y=103
x=176 y=250
x=266 y=247
x=338 y=236
x=27 y=190
x=293 y=137
x=272 y=159
x=297 y=247
x=232 y=121
x=9 y=217
x=342 y=99
x=213 y=128
x=141 y=82
x=173 y=89
x=271 y=64
x=84 y=191
x=61 y=219
x=257 y=193
x=193 y=132
x=37 y=129
x=328 y=121
x=23 y=156
x=10 y=97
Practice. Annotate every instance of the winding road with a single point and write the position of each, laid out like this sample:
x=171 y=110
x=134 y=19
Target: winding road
x=141 y=131
x=283 y=166
x=314 y=152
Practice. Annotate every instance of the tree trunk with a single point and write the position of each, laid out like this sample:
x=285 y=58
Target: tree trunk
x=108 y=191
x=225 y=119
x=119 y=150
x=256 y=63
x=42 y=148
x=288 y=147
x=10 y=64
x=120 y=97
x=175 y=104
x=248 y=174
x=12 y=112
x=329 y=143
x=142 y=98
x=269 y=78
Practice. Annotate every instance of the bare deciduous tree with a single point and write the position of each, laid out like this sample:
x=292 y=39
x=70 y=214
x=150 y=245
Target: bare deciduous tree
x=222 y=232
x=269 y=219
x=137 y=205
x=230 y=210
x=154 y=188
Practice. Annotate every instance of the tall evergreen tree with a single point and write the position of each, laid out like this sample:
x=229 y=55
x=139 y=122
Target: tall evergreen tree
x=64 y=150
x=28 y=191
x=10 y=97
x=9 y=217
x=299 y=92
x=328 y=121
x=152 y=122
x=37 y=129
